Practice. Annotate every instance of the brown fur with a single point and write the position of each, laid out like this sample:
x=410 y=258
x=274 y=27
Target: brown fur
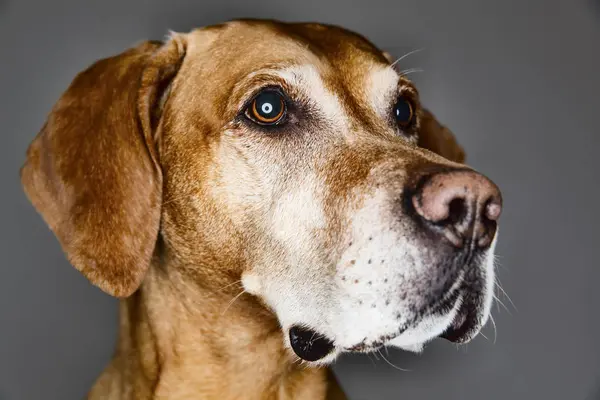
x=129 y=174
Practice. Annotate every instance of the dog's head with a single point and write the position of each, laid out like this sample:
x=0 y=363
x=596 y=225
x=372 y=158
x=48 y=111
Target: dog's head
x=290 y=156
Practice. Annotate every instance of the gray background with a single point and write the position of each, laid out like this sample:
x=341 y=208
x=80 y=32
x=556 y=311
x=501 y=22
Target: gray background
x=518 y=81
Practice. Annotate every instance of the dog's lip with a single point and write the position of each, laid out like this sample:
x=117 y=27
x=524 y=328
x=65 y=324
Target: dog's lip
x=448 y=302
x=363 y=347
x=463 y=326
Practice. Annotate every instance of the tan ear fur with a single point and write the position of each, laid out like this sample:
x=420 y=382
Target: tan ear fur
x=92 y=172
x=439 y=139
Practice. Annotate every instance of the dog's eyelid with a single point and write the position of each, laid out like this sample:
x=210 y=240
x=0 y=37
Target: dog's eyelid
x=409 y=94
x=408 y=90
x=249 y=86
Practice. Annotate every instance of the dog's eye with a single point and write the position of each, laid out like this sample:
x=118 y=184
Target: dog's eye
x=403 y=112
x=267 y=108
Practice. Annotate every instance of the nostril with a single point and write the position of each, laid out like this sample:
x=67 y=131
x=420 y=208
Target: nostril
x=463 y=206
x=493 y=209
x=457 y=211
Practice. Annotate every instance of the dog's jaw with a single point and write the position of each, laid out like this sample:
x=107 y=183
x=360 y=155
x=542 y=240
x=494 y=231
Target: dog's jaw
x=228 y=197
x=382 y=291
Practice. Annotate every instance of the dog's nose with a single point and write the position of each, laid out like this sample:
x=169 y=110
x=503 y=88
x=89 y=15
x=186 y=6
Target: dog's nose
x=463 y=204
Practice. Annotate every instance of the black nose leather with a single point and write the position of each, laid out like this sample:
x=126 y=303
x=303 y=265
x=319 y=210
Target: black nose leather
x=308 y=344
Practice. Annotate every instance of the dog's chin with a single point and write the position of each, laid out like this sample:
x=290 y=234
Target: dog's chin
x=460 y=325
x=458 y=320
x=457 y=316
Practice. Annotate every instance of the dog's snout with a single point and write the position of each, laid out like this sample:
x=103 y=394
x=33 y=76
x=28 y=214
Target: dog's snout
x=464 y=204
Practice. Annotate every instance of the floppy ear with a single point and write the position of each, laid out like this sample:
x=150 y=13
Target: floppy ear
x=439 y=139
x=93 y=173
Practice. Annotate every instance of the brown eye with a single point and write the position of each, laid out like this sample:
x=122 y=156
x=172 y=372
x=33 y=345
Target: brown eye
x=267 y=108
x=403 y=112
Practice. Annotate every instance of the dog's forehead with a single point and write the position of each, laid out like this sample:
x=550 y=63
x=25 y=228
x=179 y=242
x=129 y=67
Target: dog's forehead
x=341 y=48
x=345 y=64
x=248 y=45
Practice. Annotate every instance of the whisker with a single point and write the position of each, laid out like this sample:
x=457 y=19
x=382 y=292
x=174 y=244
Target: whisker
x=498 y=284
x=498 y=301
x=370 y=359
x=495 y=296
x=406 y=55
x=497 y=262
x=495 y=330
x=226 y=286
x=232 y=301
x=410 y=53
x=410 y=71
x=392 y=365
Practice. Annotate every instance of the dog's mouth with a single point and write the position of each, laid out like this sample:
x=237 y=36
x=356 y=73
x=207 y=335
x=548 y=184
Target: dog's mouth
x=465 y=324
x=311 y=345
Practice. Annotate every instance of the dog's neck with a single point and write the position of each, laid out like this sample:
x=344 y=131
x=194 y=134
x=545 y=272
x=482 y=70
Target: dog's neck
x=182 y=338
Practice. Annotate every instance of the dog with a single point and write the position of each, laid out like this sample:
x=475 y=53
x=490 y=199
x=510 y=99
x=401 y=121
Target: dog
x=262 y=196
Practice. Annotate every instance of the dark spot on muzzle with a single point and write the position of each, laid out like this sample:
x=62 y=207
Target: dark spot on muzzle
x=308 y=344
